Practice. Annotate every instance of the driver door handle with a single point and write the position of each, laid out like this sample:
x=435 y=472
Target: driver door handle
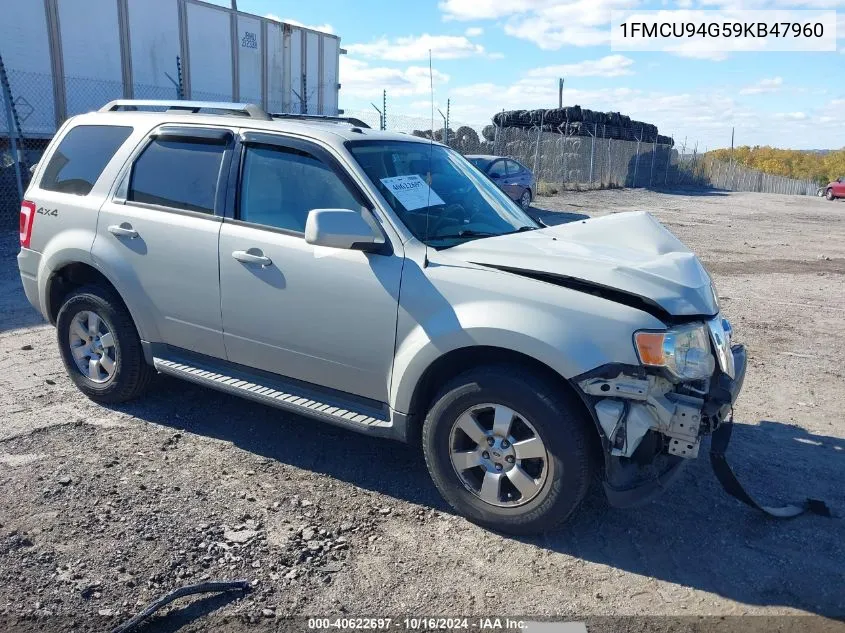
x=124 y=230
x=256 y=257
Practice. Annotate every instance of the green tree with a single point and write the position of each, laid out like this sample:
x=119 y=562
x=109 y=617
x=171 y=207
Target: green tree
x=816 y=166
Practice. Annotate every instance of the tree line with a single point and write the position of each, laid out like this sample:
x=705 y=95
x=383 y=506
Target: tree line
x=821 y=167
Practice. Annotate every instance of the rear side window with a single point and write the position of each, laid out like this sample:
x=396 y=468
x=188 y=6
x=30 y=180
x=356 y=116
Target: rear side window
x=181 y=174
x=498 y=169
x=81 y=157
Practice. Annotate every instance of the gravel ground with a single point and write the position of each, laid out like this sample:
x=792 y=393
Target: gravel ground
x=104 y=509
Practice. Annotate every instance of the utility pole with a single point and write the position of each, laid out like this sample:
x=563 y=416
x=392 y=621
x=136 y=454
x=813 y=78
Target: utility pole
x=234 y=5
x=560 y=92
x=384 y=109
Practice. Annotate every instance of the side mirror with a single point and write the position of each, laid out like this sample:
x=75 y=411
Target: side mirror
x=342 y=228
x=495 y=175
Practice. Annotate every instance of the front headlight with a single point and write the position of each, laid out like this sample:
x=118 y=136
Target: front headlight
x=684 y=351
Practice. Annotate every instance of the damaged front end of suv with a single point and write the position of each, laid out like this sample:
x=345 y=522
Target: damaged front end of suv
x=660 y=389
x=652 y=417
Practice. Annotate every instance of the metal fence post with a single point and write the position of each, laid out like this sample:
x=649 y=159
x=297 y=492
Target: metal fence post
x=496 y=133
x=180 y=90
x=637 y=163
x=13 y=128
x=562 y=155
x=601 y=171
x=537 y=148
x=565 y=143
x=592 y=149
x=653 y=152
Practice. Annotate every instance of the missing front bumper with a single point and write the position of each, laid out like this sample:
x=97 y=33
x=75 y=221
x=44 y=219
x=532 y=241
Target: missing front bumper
x=648 y=469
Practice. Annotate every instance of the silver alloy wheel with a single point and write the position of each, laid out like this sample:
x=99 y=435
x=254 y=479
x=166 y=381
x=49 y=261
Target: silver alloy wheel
x=92 y=347
x=525 y=200
x=498 y=455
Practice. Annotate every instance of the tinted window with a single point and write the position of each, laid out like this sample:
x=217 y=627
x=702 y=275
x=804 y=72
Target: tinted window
x=178 y=174
x=481 y=163
x=514 y=167
x=280 y=186
x=498 y=168
x=81 y=157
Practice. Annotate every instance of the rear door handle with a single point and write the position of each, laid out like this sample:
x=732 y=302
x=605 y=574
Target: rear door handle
x=252 y=256
x=124 y=230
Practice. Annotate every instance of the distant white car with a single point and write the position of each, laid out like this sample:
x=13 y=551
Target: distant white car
x=379 y=282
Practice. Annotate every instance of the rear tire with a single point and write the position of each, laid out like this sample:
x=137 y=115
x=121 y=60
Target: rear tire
x=117 y=370
x=556 y=418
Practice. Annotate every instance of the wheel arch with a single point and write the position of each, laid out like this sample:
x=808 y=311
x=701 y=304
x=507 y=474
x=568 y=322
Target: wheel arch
x=457 y=361
x=70 y=276
x=64 y=280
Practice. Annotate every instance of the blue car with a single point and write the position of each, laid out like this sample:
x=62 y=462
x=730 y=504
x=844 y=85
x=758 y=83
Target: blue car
x=512 y=177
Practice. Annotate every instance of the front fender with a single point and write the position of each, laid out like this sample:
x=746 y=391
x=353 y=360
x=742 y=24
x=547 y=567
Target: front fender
x=445 y=308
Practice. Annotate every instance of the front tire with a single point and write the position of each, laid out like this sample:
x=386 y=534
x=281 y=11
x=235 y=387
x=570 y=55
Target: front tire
x=508 y=450
x=829 y=194
x=525 y=200
x=100 y=346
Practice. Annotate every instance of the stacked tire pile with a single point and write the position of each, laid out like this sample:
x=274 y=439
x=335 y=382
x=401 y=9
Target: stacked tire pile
x=464 y=139
x=578 y=121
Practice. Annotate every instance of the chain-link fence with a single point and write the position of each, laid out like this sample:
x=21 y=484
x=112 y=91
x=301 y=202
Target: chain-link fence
x=582 y=157
x=564 y=160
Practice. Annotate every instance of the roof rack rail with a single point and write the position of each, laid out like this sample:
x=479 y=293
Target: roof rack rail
x=241 y=109
x=321 y=117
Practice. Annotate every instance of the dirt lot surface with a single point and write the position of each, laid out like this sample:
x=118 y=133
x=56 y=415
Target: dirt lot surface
x=104 y=509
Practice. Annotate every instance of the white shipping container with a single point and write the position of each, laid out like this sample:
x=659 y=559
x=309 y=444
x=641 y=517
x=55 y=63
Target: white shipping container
x=64 y=57
x=91 y=58
x=154 y=45
x=277 y=98
x=250 y=47
x=31 y=82
x=209 y=64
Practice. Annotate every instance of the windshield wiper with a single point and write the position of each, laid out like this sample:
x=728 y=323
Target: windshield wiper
x=464 y=233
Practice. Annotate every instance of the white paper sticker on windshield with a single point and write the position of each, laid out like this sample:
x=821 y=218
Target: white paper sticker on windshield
x=412 y=191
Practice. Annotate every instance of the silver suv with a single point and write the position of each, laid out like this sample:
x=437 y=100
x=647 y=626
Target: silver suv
x=379 y=282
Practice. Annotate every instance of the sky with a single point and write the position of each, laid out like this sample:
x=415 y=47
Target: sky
x=490 y=55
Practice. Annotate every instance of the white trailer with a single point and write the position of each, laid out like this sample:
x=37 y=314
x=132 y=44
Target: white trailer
x=64 y=57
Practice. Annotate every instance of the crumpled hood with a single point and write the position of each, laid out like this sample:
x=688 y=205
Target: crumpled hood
x=629 y=252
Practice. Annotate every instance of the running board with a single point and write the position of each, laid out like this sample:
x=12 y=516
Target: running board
x=279 y=393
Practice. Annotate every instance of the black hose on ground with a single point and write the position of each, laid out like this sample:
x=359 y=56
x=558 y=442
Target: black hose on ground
x=718 y=460
x=213 y=586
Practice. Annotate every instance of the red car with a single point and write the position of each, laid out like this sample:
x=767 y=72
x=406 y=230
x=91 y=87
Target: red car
x=836 y=189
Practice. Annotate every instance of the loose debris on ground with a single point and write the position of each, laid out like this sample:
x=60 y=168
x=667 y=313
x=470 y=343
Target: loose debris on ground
x=102 y=510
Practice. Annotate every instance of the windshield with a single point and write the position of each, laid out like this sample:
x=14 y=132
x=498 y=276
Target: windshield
x=445 y=206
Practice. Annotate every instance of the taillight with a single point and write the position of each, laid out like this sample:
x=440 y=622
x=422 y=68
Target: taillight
x=27 y=216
